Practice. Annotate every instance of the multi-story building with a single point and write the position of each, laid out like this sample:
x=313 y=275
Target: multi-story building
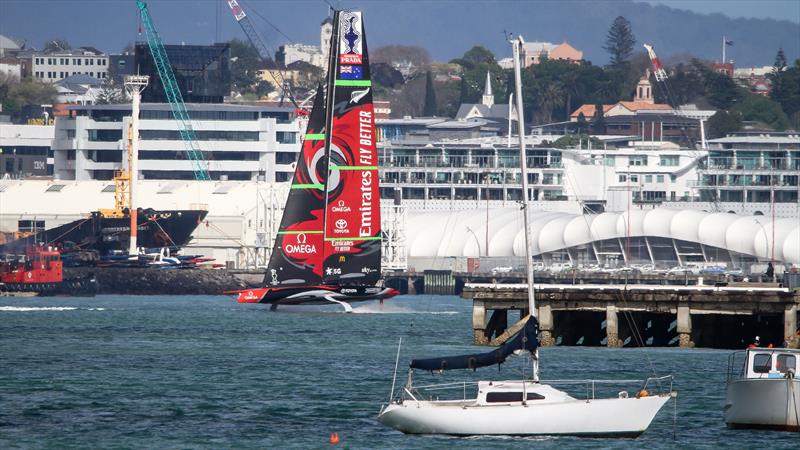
x=10 y=68
x=25 y=150
x=649 y=172
x=750 y=172
x=238 y=142
x=201 y=71
x=468 y=169
x=487 y=169
x=311 y=54
x=120 y=65
x=79 y=90
x=57 y=65
x=533 y=52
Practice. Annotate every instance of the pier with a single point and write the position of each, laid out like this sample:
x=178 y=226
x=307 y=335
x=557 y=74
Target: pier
x=448 y=282
x=617 y=315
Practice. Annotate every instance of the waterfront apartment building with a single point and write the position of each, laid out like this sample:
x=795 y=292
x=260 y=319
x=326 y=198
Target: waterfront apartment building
x=238 y=142
x=54 y=66
x=747 y=168
x=458 y=174
x=649 y=172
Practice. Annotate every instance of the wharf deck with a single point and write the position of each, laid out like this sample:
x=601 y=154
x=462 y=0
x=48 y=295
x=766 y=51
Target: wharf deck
x=569 y=310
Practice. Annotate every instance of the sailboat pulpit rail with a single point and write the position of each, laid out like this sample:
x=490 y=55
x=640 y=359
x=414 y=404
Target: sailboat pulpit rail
x=652 y=386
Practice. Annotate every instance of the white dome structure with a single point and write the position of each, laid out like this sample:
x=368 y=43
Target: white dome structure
x=459 y=234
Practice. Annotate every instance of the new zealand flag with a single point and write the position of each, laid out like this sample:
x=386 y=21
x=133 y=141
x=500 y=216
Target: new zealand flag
x=350 y=72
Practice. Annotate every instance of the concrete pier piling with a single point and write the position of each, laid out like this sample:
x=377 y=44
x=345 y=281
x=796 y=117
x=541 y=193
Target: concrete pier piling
x=658 y=315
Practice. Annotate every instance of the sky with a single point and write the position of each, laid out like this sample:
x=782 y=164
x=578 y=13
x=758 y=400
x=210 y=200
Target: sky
x=110 y=24
x=757 y=9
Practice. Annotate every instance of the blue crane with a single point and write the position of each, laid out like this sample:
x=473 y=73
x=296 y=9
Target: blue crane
x=173 y=93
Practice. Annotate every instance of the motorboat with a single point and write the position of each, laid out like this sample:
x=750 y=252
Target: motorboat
x=763 y=390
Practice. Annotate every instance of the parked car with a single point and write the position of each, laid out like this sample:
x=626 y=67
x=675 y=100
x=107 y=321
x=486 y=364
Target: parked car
x=560 y=267
x=679 y=270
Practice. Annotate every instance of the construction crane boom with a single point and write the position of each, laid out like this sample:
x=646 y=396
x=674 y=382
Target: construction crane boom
x=247 y=27
x=255 y=39
x=173 y=93
x=658 y=69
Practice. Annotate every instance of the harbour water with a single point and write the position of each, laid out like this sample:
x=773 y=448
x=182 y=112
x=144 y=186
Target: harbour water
x=205 y=372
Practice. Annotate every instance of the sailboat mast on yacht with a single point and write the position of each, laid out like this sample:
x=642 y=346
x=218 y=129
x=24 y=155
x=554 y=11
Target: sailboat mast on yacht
x=519 y=407
x=516 y=44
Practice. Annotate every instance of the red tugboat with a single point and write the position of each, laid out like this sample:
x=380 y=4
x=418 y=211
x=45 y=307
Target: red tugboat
x=40 y=271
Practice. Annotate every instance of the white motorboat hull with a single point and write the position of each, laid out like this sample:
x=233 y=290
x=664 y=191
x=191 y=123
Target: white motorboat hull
x=628 y=417
x=770 y=403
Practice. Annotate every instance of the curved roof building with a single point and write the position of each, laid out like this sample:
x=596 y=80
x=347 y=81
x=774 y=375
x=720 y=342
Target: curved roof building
x=658 y=236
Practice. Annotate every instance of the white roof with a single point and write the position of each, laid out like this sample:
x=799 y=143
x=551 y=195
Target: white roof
x=222 y=198
x=444 y=234
x=765 y=138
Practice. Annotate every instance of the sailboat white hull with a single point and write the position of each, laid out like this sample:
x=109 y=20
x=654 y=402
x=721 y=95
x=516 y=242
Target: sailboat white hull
x=600 y=417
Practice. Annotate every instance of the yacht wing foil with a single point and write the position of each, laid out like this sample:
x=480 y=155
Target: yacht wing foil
x=328 y=247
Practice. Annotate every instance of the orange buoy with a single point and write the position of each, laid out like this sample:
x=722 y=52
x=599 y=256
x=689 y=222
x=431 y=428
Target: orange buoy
x=334 y=438
x=643 y=393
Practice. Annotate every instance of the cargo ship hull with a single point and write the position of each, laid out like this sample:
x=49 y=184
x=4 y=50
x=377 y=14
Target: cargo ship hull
x=105 y=235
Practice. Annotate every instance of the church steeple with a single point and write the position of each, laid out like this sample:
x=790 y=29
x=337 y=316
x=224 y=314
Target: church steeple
x=488 y=97
x=644 y=90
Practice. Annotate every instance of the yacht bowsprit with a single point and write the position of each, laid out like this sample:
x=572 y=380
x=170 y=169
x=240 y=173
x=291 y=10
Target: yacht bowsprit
x=328 y=247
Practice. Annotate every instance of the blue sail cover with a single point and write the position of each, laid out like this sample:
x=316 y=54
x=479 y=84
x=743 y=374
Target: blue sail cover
x=526 y=339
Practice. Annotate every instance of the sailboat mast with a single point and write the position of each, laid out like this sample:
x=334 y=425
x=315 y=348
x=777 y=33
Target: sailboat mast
x=333 y=53
x=515 y=45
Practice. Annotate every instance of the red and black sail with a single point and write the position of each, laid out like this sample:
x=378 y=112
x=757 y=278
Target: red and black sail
x=352 y=211
x=298 y=251
x=331 y=228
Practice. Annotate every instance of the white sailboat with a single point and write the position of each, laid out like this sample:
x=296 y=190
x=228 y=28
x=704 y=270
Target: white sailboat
x=526 y=406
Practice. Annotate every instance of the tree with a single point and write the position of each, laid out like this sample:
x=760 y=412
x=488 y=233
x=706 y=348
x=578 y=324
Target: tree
x=385 y=75
x=786 y=91
x=474 y=57
x=429 y=110
x=780 y=61
x=263 y=88
x=685 y=84
x=581 y=124
x=723 y=123
x=574 y=140
x=598 y=120
x=57 y=44
x=15 y=95
x=569 y=86
x=245 y=64
x=619 y=42
x=393 y=55
x=551 y=97
x=109 y=94
x=720 y=90
x=762 y=109
x=474 y=65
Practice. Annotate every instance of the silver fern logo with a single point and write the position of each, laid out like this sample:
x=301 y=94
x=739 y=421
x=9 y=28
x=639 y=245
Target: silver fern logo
x=356 y=96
